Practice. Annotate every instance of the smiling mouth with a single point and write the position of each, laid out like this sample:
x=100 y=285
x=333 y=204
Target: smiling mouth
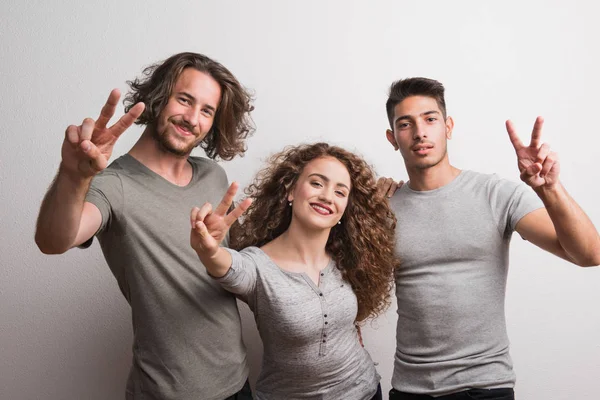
x=321 y=209
x=183 y=131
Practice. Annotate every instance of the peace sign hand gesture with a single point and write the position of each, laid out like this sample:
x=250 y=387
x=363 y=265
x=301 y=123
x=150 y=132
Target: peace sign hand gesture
x=209 y=228
x=538 y=165
x=88 y=147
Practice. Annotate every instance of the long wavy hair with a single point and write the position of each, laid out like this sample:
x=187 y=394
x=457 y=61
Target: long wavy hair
x=232 y=124
x=362 y=245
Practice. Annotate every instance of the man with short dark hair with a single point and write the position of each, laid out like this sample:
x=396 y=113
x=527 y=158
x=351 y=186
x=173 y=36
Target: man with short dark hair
x=453 y=234
x=187 y=330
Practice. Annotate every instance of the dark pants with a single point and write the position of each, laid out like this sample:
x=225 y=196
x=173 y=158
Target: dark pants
x=478 y=394
x=244 y=394
x=378 y=394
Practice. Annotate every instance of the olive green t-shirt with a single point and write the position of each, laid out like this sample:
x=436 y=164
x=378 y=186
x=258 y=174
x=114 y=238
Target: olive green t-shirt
x=187 y=331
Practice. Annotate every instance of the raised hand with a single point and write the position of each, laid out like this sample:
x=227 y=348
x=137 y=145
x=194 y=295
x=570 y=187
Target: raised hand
x=210 y=227
x=88 y=147
x=538 y=165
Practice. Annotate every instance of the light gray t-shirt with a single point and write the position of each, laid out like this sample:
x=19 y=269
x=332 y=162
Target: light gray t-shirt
x=453 y=243
x=187 y=331
x=311 y=346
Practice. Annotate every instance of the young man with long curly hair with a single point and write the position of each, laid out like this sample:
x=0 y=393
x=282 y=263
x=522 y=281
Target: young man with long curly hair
x=187 y=332
x=316 y=259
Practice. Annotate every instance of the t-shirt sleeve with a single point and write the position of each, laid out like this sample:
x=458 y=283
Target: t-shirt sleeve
x=511 y=201
x=241 y=277
x=106 y=193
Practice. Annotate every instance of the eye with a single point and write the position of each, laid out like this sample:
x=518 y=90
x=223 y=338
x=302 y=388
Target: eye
x=316 y=184
x=431 y=119
x=402 y=125
x=207 y=111
x=341 y=193
x=184 y=100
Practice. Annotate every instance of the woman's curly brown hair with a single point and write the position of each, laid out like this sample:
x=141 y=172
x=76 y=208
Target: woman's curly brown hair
x=362 y=245
x=232 y=124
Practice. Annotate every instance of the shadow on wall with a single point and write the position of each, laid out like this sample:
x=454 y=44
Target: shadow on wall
x=252 y=340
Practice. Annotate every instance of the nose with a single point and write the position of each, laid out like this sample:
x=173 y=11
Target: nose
x=419 y=131
x=192 y=116
x=326 y=195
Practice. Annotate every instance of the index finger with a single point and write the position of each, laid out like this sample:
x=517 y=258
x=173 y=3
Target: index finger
x=512 y=135
x=536 y=134
x=227 y=199
x=108 y=110
x=238 y=211
x=128 y=119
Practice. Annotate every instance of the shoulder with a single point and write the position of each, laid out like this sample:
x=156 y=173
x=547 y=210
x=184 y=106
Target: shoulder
x=205 y=163
x=208 y=168
x=112 y=176
x=117 y=168
x=492 y=183
x=255 y=254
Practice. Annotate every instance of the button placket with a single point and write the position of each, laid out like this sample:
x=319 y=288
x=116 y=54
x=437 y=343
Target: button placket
x=323 y=346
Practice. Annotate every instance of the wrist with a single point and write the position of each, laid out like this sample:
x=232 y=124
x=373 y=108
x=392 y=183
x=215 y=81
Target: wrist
x=549 y=194
x=75 y=178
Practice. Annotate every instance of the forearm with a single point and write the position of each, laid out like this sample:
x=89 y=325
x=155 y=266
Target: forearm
x=575 y=231
x=60 y=213
x=218 y=264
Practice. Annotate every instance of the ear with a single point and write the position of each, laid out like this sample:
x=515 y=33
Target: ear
x=290 y=197
x=449 y=127
x=391 y=138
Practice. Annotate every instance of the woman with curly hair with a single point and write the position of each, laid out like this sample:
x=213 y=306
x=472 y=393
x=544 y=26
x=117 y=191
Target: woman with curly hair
x=317 y=260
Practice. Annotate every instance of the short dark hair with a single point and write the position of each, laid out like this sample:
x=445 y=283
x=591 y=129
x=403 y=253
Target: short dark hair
x=232 y=124
x=404 y=88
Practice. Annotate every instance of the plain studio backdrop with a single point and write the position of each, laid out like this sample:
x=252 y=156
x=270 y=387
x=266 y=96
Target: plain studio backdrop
x=320 y=71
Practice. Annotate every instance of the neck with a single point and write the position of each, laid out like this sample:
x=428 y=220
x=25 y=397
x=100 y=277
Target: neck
x=422 y=179
x=173 y=168
x=304 y=246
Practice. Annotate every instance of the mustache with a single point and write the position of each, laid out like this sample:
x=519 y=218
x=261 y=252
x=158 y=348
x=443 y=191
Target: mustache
x=187 y=126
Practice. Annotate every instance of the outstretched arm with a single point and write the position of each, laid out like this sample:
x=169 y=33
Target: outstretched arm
x=208 y=229
x=562 y=228
x=65 y=219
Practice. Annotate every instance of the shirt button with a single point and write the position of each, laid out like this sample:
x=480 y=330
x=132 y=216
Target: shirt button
x=324 y=341
x=325 y=322
x=322 y=274
x=325 y=315
x=320 y=294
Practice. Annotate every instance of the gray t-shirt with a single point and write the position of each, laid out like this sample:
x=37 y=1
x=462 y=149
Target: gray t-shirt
x=311 y=346
x=187 y=330
x=453 y=243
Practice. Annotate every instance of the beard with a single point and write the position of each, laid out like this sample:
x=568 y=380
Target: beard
x=172 y=144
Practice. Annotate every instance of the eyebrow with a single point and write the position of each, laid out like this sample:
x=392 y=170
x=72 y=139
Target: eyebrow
x=326 y=179
x=189 y=96
x=408 y=116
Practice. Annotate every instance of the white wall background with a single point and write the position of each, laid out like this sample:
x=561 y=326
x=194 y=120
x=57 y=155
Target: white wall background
x=320 y=71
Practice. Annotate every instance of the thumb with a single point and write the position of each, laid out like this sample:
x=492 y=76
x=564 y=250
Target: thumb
x=97 y=162
x=201 y=229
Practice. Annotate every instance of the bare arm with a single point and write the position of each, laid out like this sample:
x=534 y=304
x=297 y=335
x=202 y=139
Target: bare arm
x=65 y=219
x=562 y=228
